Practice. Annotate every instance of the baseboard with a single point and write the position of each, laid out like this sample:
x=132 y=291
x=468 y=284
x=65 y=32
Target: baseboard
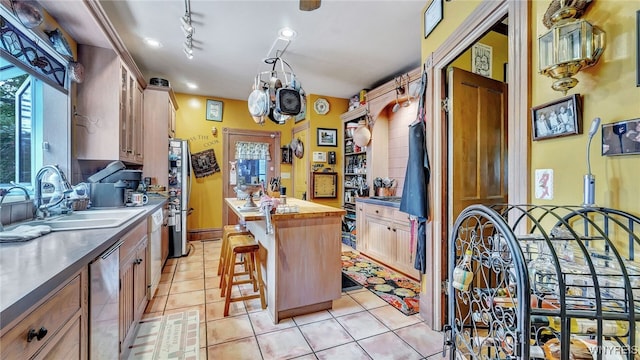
x=204 y=234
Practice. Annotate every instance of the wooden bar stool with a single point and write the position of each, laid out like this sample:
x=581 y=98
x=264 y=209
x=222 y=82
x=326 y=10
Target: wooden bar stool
x=227 y=231
x=247 y=246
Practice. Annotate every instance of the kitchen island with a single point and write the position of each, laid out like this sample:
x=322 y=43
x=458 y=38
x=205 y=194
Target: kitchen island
x=301 y=259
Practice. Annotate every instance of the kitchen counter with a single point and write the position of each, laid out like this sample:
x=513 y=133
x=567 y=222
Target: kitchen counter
x=392 y=201
x=300 y=260
x=30 y=270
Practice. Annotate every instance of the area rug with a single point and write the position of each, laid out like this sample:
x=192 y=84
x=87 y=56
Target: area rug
x=174 y=336
x=392 y=287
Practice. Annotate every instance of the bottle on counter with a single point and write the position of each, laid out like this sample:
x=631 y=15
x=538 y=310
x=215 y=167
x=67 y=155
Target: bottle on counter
x=462 y=274
x=590 y=326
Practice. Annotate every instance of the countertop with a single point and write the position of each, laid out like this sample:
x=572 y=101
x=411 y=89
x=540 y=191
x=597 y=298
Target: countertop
x=392 y=201
x=306 y=209
x=30 y=270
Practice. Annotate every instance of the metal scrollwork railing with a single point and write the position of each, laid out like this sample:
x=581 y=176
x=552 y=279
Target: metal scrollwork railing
x=565 y=288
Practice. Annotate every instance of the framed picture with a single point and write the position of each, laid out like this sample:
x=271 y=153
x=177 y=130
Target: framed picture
x=558 y=118
x=432 y=16
x=327 y=137
x=481 y=58
x=214 y=110
x=621 y=138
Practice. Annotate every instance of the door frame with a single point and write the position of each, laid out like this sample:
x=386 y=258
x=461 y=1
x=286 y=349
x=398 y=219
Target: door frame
x=479 y=22
x=275 y=159
x=307 y=147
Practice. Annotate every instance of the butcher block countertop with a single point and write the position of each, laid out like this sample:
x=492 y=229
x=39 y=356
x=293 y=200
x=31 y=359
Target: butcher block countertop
x=306 y=209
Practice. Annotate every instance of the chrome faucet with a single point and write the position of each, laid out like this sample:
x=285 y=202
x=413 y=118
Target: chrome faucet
x=42 y=210
x=5 y=193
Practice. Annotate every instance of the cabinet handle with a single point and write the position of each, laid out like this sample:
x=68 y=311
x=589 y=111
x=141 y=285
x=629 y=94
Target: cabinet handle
x=137 y=261
x=388 y=227
x=39 y=335
x=377 y=211
x=394 y=229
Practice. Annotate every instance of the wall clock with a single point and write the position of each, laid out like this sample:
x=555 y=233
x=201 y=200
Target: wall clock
x=321 y=106
x=324 y=185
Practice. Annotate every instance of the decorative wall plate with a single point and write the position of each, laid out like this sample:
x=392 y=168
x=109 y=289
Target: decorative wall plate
x=321 y=106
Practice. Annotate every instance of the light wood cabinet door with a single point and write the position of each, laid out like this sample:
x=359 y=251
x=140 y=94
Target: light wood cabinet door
x=405 y=250
x=138 y=123
x=159 y=114
x=361 y=244
x=133 y=281
x=379 y=241
x=55 y=329
x=107 y=108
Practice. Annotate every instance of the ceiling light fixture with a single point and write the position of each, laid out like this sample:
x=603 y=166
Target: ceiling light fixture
x=188 y=29
x=192 y=85
x=152 y=43
x=287 y=33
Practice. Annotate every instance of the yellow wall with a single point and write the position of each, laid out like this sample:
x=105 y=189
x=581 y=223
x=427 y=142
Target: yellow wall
x=206 y=195
x=500 y=55
x=609 y=91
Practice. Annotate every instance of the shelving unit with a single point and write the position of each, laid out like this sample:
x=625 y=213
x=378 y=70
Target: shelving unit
x=567 y=283
x=355 y=173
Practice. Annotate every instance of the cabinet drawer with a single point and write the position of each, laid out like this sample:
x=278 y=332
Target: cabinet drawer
x=132 y=238
x=51 y=315
x=400 y=217
x=379 y=210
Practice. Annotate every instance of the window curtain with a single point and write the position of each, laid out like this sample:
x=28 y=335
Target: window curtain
x=252 y=151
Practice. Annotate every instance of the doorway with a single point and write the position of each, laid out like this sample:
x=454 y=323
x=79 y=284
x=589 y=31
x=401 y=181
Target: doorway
x=250 y=157
x=477 y=24
x=300 y=166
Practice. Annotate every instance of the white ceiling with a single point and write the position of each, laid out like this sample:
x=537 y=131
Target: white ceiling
x=341 y=48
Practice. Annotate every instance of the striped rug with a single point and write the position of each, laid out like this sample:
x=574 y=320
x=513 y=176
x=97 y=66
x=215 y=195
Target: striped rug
x=174 y=336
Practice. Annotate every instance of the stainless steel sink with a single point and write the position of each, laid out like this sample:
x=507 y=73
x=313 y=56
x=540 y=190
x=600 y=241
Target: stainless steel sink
x=89 y=219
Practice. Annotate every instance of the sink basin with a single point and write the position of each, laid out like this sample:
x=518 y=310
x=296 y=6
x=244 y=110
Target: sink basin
x=89 y=219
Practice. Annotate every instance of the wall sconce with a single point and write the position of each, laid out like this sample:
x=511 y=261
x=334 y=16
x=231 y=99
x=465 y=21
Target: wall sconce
x=569 y=46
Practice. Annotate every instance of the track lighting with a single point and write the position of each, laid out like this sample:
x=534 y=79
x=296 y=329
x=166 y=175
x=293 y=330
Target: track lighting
x=188 y=53
x=187 y=28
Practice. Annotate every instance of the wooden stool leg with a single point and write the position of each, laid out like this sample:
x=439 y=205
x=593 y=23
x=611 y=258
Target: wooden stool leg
x=230 y=273
x=225 y=269
x=225 y=243
x=254 y=259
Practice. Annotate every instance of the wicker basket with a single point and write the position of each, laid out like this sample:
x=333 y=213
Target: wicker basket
x=80 y=204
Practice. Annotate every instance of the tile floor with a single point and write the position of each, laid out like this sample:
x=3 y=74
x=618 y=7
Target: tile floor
x=359 y=326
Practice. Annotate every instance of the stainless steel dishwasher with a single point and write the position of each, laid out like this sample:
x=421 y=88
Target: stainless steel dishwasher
x=104 y=293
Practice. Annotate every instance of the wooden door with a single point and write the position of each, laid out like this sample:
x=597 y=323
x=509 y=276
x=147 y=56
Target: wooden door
x=272 y=169
x=301 y=169
x=478 y=134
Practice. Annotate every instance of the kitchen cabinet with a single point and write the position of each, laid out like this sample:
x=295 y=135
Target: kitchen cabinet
x=55 y=328
x=109 y=109
x=133 y=280
x=159 y=119
x=385 y=235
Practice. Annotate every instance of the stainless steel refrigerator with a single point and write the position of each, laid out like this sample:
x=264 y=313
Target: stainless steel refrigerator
x=179 y=191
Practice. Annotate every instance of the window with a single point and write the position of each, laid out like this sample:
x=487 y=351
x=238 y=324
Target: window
x=34 y=107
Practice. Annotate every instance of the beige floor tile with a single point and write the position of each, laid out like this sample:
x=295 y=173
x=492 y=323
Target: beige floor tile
x=420 y=336
x=200 y=308
x=325 y=334
x=186 y=286
x=313 y=317
x=212 y=282
x=306 y=357
x=254 y=305
x=393 y=318
x=262 y=323
x=367 y=299
x=188 y=275
x=388 y=346
x=189 y=266
x=157 y=304
x=169 y=268
x=283 y=344
x=213 y=295
x=350 y=351
x=203 y=334
x=211 y=271
x=185 y=299
x=151 y=315
x=215 y=310
x=361 y=325
x=243 y=349
x=163 y=289
x=228 y=329
x=345 y=305
x=166 y=277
